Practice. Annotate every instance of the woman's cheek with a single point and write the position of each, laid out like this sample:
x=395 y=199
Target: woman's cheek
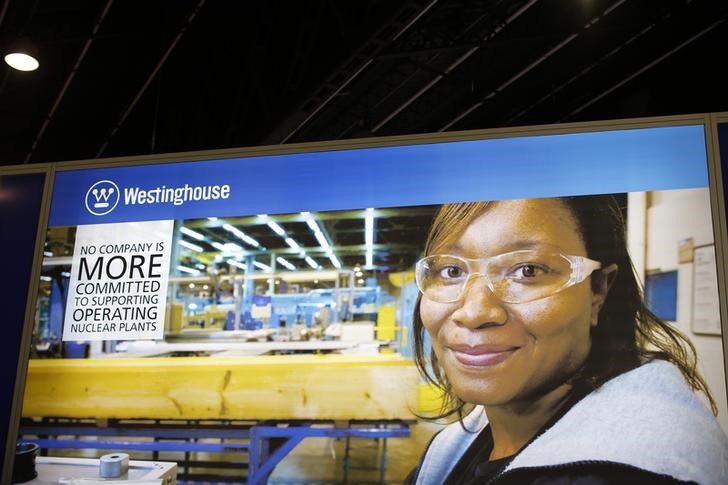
x=433 y=315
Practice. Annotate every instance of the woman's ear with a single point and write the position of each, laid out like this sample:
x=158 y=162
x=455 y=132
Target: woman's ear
x=606 y=277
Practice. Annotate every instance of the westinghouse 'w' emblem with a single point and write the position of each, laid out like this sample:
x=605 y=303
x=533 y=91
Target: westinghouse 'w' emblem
x=102 y=197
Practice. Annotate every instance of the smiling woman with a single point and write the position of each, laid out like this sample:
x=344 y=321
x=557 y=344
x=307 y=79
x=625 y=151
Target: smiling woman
x=546 y=353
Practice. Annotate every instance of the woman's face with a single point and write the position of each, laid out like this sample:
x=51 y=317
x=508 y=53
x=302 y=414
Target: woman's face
x=496 y=353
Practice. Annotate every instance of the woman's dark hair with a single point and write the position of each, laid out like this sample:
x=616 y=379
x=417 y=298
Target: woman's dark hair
x=627 y=334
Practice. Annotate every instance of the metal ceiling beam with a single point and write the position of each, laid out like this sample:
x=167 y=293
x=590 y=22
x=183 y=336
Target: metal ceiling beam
x=69 y=79
x=362 y=62
x=531 y=66
x=452 y=66
x=151 y=77
x=644 y=68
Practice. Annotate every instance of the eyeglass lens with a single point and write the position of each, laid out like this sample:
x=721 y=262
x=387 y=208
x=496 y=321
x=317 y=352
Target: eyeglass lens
x=515 y=277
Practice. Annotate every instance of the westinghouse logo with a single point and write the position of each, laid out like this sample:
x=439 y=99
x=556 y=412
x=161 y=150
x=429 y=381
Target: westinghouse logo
x=102 y=197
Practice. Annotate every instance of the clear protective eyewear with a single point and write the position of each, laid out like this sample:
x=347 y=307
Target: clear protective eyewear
x=514 y=277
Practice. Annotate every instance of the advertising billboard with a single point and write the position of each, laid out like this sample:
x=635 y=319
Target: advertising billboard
x=312 y=285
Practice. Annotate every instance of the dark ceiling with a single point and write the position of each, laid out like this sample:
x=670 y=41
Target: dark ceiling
x=135 y=77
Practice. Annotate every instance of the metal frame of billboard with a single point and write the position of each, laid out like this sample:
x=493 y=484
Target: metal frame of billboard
x=716 y=189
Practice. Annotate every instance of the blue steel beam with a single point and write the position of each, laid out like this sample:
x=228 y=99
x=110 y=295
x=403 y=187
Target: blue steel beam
x=141 y=445
x=151 y=432
x=277 y=432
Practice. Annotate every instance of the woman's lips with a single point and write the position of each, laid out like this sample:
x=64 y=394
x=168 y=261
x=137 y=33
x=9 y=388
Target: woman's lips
x=482 y=356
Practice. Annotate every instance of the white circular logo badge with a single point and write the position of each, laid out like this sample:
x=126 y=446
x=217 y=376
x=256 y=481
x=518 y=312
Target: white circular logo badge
x=102 y=197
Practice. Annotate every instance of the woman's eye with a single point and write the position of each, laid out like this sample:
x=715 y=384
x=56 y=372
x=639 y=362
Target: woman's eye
x=451 y=272
x=528 y=271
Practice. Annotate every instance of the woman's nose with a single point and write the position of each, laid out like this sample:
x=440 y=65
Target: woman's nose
x=479 y=307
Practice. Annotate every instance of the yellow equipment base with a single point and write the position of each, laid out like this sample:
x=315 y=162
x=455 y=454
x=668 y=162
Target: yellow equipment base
x=263 y=387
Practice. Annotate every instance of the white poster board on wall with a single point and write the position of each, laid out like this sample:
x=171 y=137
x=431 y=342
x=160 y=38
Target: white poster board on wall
x=706 y=310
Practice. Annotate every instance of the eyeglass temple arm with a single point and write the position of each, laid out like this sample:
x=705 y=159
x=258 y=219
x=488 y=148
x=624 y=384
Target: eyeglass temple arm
x=582 y=268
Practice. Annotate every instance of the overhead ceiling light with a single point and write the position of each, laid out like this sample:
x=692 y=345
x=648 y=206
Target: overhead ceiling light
x=276 y=228
x=369 y=237
x=237 y=264
x=22 y=61
x=262 y=266
x=369 y=227
x=185 y=269
x=311 y=262
x=191 y=233
x=293 y=244
x=286 y=263
x=22 y=55
x=189 y=245
x=335 y=261
x=241 y=235
x=228 y=248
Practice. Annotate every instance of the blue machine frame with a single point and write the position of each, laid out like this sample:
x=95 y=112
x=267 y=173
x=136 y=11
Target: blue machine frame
x=263 y=457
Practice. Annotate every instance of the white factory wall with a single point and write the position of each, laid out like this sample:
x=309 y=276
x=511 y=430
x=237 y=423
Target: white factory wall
x=658 y=221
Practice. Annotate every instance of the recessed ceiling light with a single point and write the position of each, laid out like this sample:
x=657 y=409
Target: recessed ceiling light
x=21 y=61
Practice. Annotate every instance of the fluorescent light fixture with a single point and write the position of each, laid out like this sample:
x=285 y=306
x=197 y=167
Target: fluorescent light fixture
x=369 y=236
x=21 y=61
x=212 y=218
x=263 y=216
x=262 y=266
x=312 y=225
x=45 y=278
x=369 y=228
x=218 y=246
x=185 y=269
x=335 y=261
x=293 y=244
x=232 y=248
x=311 y=262
x=276 y=228
x=322 y=240
x=65 y=274
x=192 y=234
x=241 y=235
x=286 y=263
x=47 y=254
x=237 y=264
x=200 y=266
x=189 y=245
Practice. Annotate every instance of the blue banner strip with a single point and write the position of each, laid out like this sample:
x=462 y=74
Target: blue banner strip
x=522 y=167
